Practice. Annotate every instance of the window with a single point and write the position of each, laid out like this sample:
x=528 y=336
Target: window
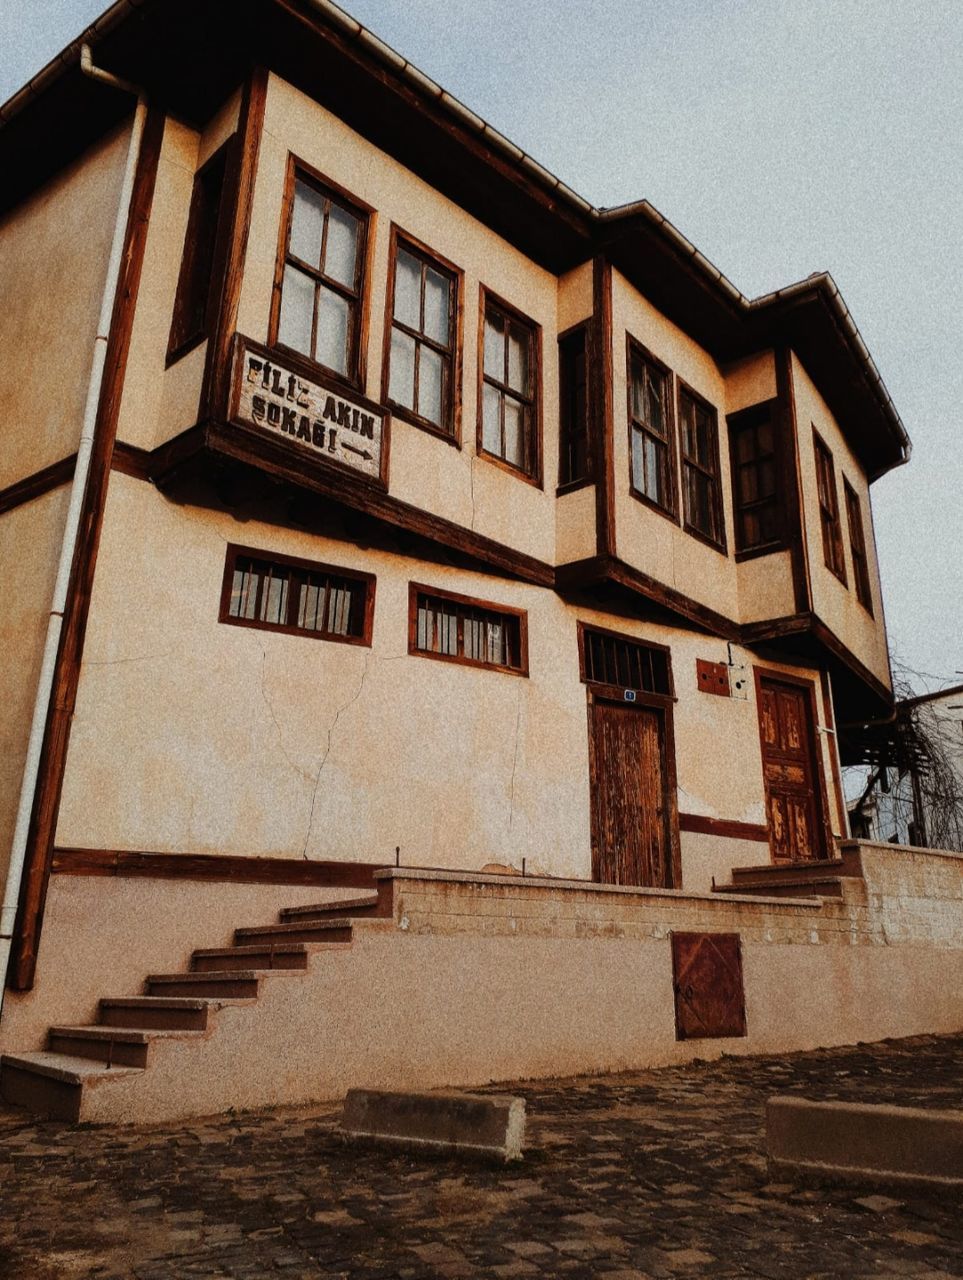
x=322 y=278
x=857 y=546
x=650 y=417
x=460 y=629
x=508 y=421
x=755 y=478
x=608 y=657
x=422 y=358
x=195 y=284
x=574 y=463
x=829 y=509
x=296 y=596
x=701 y=494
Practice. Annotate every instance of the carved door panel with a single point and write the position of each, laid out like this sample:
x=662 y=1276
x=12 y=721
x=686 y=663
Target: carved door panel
x=630 y=817
x=789 y=768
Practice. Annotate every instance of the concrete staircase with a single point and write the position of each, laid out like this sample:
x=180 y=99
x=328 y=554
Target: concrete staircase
x=179 y=1008
x=826 y=878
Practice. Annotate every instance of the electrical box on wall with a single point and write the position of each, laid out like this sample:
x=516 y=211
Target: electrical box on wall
x=739 y=681
x=712 y=677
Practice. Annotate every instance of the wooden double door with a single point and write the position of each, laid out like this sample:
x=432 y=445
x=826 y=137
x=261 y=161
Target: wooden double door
x=790 y=767
x=633 y=794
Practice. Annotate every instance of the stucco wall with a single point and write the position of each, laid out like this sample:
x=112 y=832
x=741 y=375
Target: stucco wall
x=834 y=602
x=30 y=539
x=53 y=261
x=425 y=471
x=193 y=736
x=646 y=539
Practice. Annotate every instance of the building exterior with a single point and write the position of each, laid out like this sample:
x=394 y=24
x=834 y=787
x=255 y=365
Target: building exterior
x=433 y=518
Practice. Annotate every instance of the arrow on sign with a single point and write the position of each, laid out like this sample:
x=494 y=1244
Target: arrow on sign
x=362 y=453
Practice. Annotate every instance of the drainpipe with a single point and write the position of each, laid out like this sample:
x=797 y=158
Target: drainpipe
x=31 y=769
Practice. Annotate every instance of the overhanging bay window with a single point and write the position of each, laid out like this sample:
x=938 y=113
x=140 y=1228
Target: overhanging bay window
x=321 y=269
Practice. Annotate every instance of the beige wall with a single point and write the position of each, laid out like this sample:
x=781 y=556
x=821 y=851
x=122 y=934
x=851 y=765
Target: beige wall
x=53 y=262
x=644 y=538
x=30 y=539
x=834 y=602
x=425 y=471
x=193 y=736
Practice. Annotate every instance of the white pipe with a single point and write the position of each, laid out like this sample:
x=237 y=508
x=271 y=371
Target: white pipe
x=31 y=769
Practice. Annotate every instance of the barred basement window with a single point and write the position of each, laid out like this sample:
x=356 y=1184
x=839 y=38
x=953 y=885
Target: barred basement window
x=297 y=597
x=608 y=657
x=461 y=629
x=653 y=476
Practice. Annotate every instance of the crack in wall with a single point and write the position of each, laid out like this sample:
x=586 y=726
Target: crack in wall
x=277 y=724
x=327 y=752
x=518 y=720
x=116 y=662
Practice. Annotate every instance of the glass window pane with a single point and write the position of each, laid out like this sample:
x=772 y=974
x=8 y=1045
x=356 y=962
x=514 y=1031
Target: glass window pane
x=408 y=290
x=401 y=379
x=744 y=446
x=341 y=252
x=519 y=342
x=748 y=484
x=699 y=501
x=491 y=421
x=307 y=224
x=474 y=636
x=334 y=316
x=764 y=436
x=308 y=612
x=430 y=378
x=339 y=611
x=437 y=307
x=495 y=346
x=514 y=432
x=297 y=310
x=655 y=417
x=653 y=477
x=638 y=463
x=274 y=600
x=767 y=478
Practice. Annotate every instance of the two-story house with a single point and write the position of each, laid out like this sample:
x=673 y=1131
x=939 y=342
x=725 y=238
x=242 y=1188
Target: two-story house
x=404 y=508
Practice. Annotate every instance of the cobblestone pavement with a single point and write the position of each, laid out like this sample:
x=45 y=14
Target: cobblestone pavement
x=651 y=1174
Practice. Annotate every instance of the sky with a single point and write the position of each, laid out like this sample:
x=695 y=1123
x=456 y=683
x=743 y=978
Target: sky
x=781 y=137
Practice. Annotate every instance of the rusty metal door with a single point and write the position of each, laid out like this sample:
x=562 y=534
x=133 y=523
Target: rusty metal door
x=710 y=999
x=787 y=734
x=630 y=828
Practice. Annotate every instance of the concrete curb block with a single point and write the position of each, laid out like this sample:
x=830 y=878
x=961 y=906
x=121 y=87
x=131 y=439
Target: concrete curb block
x=864 y=1143
x=488 y=1127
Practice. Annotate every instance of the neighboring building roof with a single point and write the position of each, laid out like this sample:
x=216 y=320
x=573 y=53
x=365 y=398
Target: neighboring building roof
x=954 y=691
x=323 y=51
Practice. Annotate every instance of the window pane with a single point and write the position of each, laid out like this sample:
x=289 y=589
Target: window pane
x=495 y=346
x=767 y=478
x=430 y=377
x=653 y=476
x=655 y=416
x=764 y=436
x=297 y=310
x=401 y=381
x=408 y=290
x=341 y=252
x=436 y=307
x=311 y=606
x=474 y=639
x=519 y=341
x=704 y=451
x=744 y=446
x=274 y=598
x=339 y=611
x=748 y=484
x=638 y=392
x=491 y=424
x=307 y=224
x=514 y=432
x=334 y=318
x=699 y=501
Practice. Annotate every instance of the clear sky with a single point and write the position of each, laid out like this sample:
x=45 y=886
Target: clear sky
x=782 y=137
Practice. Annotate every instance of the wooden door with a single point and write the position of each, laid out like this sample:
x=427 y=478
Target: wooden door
x=787 y=733
x=630 y=813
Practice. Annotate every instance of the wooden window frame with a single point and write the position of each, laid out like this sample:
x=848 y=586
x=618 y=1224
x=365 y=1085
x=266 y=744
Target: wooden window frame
x=616 y=692
x=452 y=398
x=520 y=616
x=355 y=376
x=634 y=349
x=366 y=580
x=736 y=424
x=533 y=473
x=183 y=337
x=683 y=390
x=565 y=433
x=828 y=500
x=857 y=547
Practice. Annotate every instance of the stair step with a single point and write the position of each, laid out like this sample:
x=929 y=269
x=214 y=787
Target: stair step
x=239 y=983
x=285 y=955
x=52 y=1084
x=775 y=871
x=800 y=887
x=121 y=1046
x=335 y=930
x=166 y=1013
x=368 y=904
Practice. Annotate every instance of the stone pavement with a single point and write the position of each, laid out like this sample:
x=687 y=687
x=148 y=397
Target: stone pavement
x=650 y=1174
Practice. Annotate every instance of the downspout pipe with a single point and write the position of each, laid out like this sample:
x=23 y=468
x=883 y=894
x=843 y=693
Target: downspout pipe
x=41 y=708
